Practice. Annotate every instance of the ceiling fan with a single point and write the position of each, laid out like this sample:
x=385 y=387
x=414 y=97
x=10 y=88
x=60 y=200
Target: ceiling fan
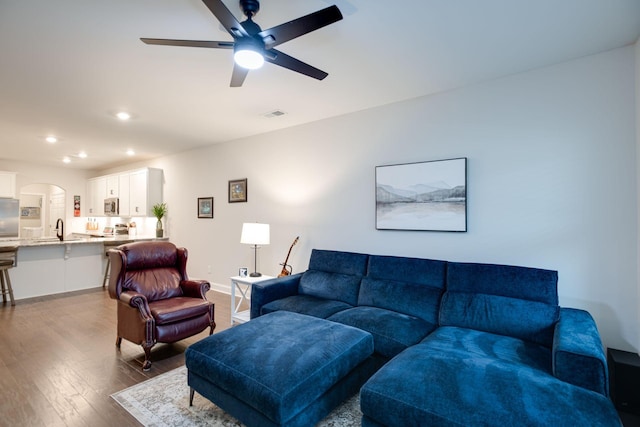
x=253 y=46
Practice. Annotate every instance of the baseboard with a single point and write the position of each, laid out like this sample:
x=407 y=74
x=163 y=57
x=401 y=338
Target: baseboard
x=219 y=287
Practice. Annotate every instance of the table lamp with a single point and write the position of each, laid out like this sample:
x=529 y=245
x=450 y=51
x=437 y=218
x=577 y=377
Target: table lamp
x=255 y=234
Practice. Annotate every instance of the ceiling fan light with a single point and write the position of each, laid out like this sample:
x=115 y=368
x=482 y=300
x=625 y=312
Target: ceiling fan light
x=248 y=58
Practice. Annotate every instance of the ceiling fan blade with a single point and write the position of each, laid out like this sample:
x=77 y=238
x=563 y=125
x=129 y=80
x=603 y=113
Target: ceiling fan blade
x=293 y=64
x=226 y=18
x=238 y=76
x=306 y=24
x=190 y=43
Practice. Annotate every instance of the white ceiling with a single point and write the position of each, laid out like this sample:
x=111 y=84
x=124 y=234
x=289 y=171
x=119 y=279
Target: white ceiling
x=66 y=66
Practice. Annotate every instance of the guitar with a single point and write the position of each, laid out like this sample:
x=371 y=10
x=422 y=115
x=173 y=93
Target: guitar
x=286 y=268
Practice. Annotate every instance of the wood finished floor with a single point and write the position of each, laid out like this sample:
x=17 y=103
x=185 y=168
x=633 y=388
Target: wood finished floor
x=59 y=364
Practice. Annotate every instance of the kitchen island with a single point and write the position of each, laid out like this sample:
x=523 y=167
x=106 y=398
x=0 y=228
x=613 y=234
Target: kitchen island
x=48 y=266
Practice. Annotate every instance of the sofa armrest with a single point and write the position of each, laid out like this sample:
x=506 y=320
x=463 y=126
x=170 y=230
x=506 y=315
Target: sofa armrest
x=273 y=289
x=578 y=354
x=195 y=288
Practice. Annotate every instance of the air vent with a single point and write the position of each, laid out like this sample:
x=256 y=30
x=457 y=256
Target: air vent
x=274 y=113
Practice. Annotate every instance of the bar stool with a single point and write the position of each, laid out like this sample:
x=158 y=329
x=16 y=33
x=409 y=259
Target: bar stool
x=107 y=270
x=8 y=260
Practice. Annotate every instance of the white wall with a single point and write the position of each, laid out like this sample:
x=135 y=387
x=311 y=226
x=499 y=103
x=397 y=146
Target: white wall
x=73 y=181
x=551 y=183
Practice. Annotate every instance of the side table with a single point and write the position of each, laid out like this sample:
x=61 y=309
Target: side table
x=243 y=286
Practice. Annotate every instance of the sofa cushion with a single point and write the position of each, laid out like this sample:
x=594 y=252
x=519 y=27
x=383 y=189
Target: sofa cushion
x=485 y=345
x=338 y=262
x=334 y=275
x=531 y=321
x=469 y=377
x=321 y=284
x=392 y=331
x=306 y=304
x=532 y=284
x=514 y=301
x=406 y=285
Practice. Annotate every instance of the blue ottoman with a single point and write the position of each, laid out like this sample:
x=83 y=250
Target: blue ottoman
x=281 y=369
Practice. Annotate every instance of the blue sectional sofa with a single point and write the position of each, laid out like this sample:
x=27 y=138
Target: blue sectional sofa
x=458 y=344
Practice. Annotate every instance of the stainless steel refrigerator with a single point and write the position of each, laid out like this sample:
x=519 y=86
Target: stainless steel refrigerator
x=9 y=217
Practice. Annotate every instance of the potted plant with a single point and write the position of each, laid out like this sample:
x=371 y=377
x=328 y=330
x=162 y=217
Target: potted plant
x=159 y=210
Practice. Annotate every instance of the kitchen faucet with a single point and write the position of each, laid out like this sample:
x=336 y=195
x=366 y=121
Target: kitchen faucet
x=60 y=229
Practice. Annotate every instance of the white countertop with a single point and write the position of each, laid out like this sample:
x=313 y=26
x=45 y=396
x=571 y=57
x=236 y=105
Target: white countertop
x=75 y=240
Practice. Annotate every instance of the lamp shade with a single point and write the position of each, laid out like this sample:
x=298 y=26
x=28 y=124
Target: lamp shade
x=254 y=233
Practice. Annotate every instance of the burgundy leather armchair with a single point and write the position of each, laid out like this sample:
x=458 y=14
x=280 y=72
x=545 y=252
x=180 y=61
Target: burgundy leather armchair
x=156 y=300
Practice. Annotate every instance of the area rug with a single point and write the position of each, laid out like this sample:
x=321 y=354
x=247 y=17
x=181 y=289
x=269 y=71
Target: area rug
x=164 y=401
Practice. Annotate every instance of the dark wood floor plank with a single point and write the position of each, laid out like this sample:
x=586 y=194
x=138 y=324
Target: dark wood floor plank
x=59 y=363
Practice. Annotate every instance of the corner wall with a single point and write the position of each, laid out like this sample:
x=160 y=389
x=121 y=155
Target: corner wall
x=551 y=183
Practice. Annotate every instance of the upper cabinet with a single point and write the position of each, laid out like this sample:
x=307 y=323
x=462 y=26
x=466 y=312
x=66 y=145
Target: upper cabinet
x=96 y=193
x=137 y=191
x=145 y=190
x=113 y=186
x=8 y=184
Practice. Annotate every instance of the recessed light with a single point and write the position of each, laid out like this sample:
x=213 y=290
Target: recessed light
x=82 y=155
x=51 y=139
x=66 y=159
x=123 y=115
x=130 y=152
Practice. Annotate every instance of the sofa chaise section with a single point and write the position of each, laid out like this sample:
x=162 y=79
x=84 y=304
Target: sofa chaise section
x=460 y=377
x=505 y=353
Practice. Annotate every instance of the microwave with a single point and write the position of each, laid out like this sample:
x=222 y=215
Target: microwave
x=111 y=206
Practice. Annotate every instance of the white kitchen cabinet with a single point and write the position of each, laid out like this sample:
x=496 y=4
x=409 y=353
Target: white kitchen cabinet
x=145 y=190
x=137 y=191
x=125 y=190
x=113 y=186
x=96 y=193
x=8 y=184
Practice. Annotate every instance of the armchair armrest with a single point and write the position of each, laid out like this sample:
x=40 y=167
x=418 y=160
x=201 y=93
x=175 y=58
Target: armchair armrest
x=195 y=288
x=273 y=289
x=578 y=354
x=138 y=301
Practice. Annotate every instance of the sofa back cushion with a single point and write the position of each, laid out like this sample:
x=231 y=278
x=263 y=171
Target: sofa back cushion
x=151 y=269
x=520 y=302
x=334 y=275
x=406 y=285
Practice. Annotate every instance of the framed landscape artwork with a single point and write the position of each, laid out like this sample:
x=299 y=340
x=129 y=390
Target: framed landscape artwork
x=426 y=196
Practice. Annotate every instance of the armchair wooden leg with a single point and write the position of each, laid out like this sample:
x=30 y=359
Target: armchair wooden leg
x=147 y=357
x=118 y=342
x=191 y=391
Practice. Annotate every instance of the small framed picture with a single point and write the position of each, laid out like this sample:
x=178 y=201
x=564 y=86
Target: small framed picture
x=238 y=190
x=242 y=272
x=205 y=207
